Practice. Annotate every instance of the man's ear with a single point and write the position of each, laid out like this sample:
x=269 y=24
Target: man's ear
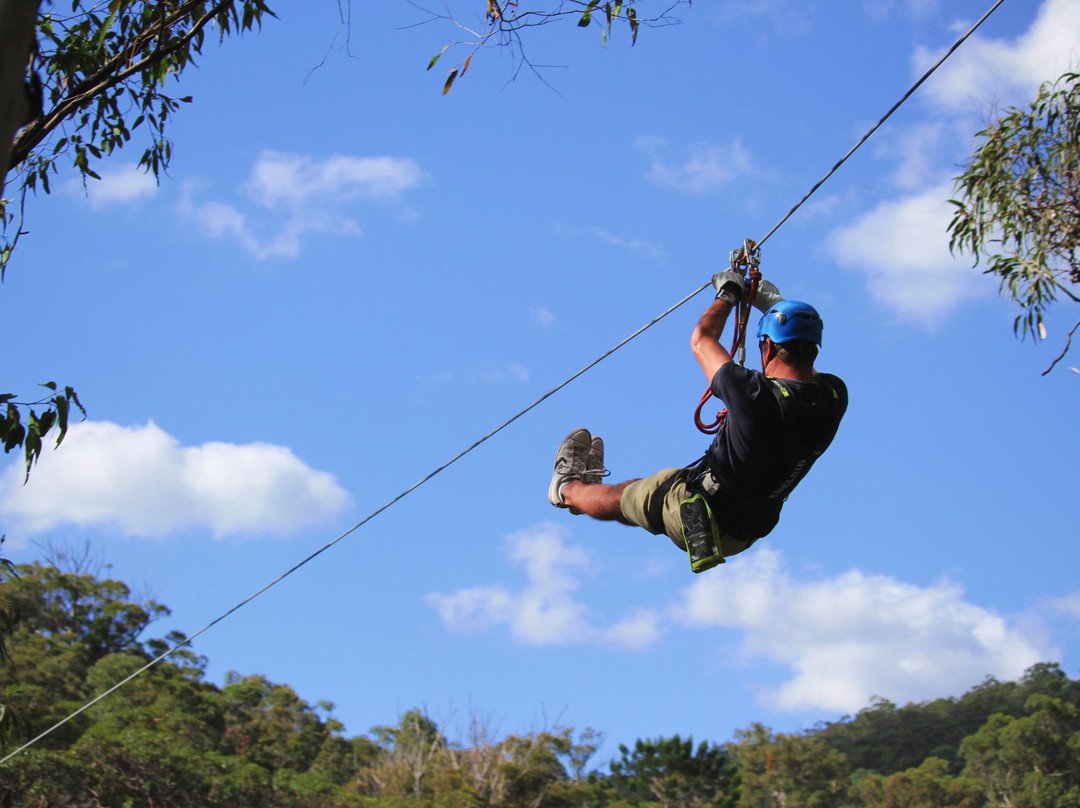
x=768 y=352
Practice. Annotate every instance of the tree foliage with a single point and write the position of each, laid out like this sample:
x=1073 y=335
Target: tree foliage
x=928 y=786
x=30 y=435
x=888 y=739
x=1018 y=204
x=788 y=770
x=505 y=22
x=170 y=738
x=101 y=72
x=1032 y=761
x=670 y=773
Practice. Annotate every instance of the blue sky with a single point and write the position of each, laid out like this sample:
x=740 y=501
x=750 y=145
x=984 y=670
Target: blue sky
x=347 y=278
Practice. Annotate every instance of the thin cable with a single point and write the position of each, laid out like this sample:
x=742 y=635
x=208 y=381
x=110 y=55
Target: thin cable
x=875 y=127
x=495 y=431
x=361 y=523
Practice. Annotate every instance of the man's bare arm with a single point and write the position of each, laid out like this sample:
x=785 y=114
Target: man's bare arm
x=705 y=341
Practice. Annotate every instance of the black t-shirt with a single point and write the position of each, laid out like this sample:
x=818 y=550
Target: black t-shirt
x=762 y=450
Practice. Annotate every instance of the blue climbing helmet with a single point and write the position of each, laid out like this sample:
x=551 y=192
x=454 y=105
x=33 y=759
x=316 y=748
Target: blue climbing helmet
x=790 y=320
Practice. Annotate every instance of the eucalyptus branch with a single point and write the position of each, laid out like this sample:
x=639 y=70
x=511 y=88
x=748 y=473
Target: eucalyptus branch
x=110 y=74
x=1068 y=342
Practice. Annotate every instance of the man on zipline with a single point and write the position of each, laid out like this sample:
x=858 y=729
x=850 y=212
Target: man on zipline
x=778 y=422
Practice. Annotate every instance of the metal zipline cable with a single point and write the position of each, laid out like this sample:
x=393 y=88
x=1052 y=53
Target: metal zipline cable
x=884 y=118
x=187 y=641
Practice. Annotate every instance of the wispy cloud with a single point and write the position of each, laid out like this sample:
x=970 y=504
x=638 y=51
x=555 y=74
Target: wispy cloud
x=702 y=167
x=500 y=373
x=786 y=17
x=640 y=245
x=292 y=196
x=119 y=184
x=843 y=640
x=490 y=373
x=991 y=70
x=902 y=248
x=901 y=245
x=1068 y=605
x=916 y=150
x=141 y=482
x=543 y=317
x=885 y=9
x=622 y=242
x=545 y=611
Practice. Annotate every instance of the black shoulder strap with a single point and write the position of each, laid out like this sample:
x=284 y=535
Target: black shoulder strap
x=801 y=452
x=786 y=399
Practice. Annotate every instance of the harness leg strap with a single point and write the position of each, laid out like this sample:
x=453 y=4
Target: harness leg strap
x=654 y=514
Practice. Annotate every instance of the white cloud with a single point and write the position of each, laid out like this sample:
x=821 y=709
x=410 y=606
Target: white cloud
x=841 y=640
x=122 y=183
x=989 y=70
x=705 y=166
x=883 y=9
x=633 y=244
x=140 y=481
x=902 y=246
x=545 y=611
x=543 y=317
x=294 y=181
x=783 y=16
x=491 y=373
x=638 y=245
x=916 y=147
x=295 y=195
x=1068 y=605
x=856 y=636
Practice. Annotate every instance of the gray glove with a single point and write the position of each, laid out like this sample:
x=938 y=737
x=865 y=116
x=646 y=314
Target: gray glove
x=767 y=296
x=729 y=286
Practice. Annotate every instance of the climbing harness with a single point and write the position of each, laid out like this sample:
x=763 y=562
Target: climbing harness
x=747 y=262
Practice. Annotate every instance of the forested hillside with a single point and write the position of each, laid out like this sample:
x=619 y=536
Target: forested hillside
x=170 y=738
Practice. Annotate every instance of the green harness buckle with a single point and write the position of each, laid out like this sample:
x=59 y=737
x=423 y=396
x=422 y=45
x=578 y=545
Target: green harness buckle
x=700 y=533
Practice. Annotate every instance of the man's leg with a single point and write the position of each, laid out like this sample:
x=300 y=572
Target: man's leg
x=597 y=500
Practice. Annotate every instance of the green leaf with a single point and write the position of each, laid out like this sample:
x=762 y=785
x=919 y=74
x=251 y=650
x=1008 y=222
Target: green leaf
x=14 y=437
x=69 y=394
x=50 y=385
x=61 y=417
x=586 y=16
x=437 y=56
x=32 y=449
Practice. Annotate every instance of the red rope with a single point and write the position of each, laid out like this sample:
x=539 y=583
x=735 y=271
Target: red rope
x=738 y=346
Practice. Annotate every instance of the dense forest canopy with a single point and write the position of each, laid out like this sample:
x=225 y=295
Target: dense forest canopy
x=171 y=738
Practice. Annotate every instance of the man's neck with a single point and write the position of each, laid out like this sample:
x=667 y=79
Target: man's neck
x=782 y=370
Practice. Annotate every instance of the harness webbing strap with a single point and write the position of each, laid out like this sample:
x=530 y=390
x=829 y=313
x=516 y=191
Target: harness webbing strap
x=654 y=514
x=800 y=456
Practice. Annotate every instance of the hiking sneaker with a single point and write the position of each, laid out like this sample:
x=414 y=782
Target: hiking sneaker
x=570 y=462
x=594 y=465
